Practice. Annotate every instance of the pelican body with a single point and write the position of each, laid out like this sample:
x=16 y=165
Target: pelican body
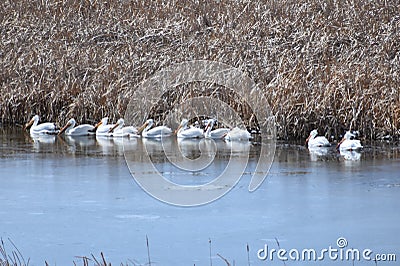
x=102 y=128
x=238 y=134
x=348 y=143
x=313 y=141
x=219 y=133
x=43 y=128
x=185 y=132
x=156 y=132
x=81 y=130
x=118 y=130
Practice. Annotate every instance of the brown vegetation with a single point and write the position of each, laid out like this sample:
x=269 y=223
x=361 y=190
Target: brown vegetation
x=332 y=65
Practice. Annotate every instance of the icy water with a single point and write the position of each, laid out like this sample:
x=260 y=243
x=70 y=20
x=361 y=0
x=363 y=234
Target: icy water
x=64 y=198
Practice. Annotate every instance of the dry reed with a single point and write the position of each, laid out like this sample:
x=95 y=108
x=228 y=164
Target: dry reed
x=14 y=258
x=332 y=65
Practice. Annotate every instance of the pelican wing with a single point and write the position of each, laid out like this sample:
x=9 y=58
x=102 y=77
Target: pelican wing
x=190 y=133
x=44 y=128
x=81 y=130
x=350 y=145
x=157 y=132
x=218 y=133
x=318 y=142
x=238 y=134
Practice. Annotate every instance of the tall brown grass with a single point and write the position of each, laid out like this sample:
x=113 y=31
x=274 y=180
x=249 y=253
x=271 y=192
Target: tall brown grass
x=332 y=65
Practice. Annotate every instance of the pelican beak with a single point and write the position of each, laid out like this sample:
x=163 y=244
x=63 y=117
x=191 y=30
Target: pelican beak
x=176 y=131
x=63 y=129
x=308 y=139
x=112 y=129
x=97 y=125
x=340 y=142
x=223 y=136
x=27 y=125
x=140 y=129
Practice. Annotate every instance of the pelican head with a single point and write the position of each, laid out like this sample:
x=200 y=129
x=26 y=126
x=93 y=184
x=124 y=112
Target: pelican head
x=120 y=123
x=148 y=124
x=33 y=121
x=70 y=124
x=312 y=135
x=347 y=136
x=183 y=124
x=103 y=121
x=210 y=124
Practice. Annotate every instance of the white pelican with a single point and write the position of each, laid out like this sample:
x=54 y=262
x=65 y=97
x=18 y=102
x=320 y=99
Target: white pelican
x=81 y=130
x=349 y=144
x=157 y=132
x=43 y=128
x=118 y=130
x=185 y=132
x=313 y=141
x=214 y=134
x=102 y=128
x=237 y=134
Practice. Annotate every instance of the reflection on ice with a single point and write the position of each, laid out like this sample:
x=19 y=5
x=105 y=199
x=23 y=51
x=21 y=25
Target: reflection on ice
x=78 y=143
x=190 y=148
x=106 y=144
x=192 y=154
x=82 y=141
x=43 y=142
x=239 y=146
x=316 y=153
x=126 y=144
x=43 y=138
x=350 y=155
x=155 y=145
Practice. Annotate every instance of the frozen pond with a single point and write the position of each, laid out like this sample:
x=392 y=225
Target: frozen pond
x=62 y=198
